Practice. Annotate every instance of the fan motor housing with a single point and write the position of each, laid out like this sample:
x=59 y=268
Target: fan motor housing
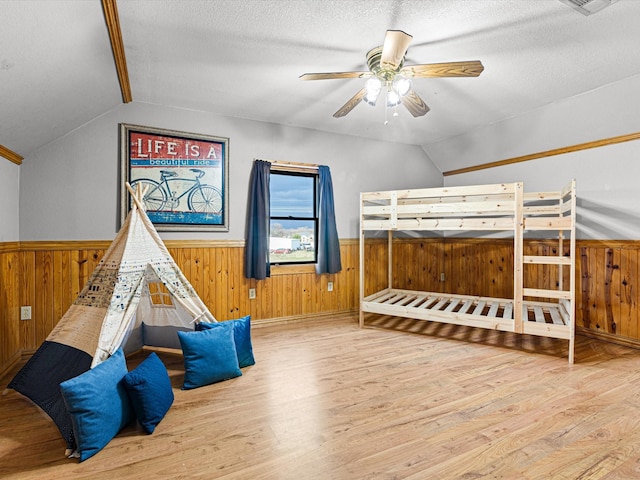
x=373 y=62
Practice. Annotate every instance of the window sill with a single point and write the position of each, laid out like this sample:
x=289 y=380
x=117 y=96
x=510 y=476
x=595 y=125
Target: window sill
x=292 y=269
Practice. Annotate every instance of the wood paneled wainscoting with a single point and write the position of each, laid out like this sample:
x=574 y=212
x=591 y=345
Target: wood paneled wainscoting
x=607 y=277
x=49 y=275
x=10 y=281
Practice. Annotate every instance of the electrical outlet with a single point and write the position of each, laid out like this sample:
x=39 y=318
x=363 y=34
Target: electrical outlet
x=442 y=277
x=25 y=313
x=329 y=286
x=252 y=293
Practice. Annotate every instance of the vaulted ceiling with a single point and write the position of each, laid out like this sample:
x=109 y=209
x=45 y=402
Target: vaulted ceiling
x=243 y=59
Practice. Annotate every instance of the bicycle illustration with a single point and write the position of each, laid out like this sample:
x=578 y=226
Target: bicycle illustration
x=201 y=198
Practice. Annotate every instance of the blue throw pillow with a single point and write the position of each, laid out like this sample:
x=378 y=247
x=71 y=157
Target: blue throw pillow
x=149 y=389
x=98 y=404
x=242 y=338
x=209 y=356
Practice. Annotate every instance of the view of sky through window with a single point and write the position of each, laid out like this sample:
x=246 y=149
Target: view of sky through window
x=291 y=196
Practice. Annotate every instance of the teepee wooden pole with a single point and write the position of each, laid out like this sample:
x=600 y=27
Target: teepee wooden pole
x=137 y=196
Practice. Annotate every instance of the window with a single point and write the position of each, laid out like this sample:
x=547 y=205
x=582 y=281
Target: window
x=294 y=217
x=314 y=211
x=160 y=296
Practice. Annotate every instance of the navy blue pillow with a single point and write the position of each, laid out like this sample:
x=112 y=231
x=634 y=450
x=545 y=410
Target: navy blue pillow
x=209 y=356
x=149 y=389
x=98 y=404
x=242 y=338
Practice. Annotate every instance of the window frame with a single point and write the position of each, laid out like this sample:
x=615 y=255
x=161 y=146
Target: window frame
x=299 y=173
x=159 y=295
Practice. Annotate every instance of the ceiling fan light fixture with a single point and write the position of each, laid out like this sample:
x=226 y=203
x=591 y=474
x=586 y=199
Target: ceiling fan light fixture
x=372 y=87
x=393 y=98
x=401 y=85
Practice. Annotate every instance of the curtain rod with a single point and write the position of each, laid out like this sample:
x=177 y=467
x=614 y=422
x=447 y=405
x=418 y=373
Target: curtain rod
x=293 y=165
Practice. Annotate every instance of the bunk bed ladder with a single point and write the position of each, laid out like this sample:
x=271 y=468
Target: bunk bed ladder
x=563 y=295
x=518 y=266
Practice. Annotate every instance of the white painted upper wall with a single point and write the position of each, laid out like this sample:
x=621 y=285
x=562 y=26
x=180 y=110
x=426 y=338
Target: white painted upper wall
x=608 y=178
x=9 y=194
x=69 y=189
x=608 y=111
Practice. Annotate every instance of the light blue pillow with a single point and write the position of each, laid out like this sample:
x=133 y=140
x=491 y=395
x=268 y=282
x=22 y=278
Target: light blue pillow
x=98 y=404
x=209 y=356
x=241 y=336
x=149 y=389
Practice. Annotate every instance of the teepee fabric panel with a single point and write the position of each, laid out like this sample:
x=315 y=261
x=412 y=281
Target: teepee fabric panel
x=79 y=328
x=40 y=379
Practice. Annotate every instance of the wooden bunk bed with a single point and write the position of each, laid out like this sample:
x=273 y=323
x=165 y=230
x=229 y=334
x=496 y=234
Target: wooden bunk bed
x=480 y=208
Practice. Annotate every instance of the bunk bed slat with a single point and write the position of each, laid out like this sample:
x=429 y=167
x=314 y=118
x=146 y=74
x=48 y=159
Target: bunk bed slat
x=394 y=299
x=440 y=304
x=539 y=314
x=454 y=303
x=429 y=302
x=381 y=298
x=466 y=306
x=417 y=301
x=479 y=308
x=555 y=316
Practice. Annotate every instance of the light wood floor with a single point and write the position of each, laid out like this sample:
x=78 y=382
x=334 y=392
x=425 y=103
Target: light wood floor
x=399 y=399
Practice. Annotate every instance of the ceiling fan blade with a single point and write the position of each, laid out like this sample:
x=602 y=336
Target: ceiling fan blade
x=472 y=68
x=327 y=76
x=394 y=48
x=351 y=104
x=414 y=104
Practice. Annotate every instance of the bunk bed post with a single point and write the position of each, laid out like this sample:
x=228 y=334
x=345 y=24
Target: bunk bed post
x=518 y=260
x=394 y=225
x=390 y=263
x=572 y=278
x=361 y=265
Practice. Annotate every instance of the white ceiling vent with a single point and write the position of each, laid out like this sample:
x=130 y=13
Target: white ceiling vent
x=587 y=7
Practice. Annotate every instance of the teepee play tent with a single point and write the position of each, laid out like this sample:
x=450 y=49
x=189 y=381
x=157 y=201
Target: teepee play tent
x=136 y=296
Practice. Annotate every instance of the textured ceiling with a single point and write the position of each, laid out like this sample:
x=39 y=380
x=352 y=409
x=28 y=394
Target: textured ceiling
x=243 y=59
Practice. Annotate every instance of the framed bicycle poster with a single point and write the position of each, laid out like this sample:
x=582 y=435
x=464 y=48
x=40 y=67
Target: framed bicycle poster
x=185 y=175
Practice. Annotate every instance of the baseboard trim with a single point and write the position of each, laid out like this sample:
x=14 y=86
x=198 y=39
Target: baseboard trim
x=15 y=359
x=609 y=338
x=316 y=317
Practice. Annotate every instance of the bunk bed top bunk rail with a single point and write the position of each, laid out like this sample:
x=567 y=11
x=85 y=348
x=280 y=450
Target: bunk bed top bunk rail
x=480 y=207
x=484 y=207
